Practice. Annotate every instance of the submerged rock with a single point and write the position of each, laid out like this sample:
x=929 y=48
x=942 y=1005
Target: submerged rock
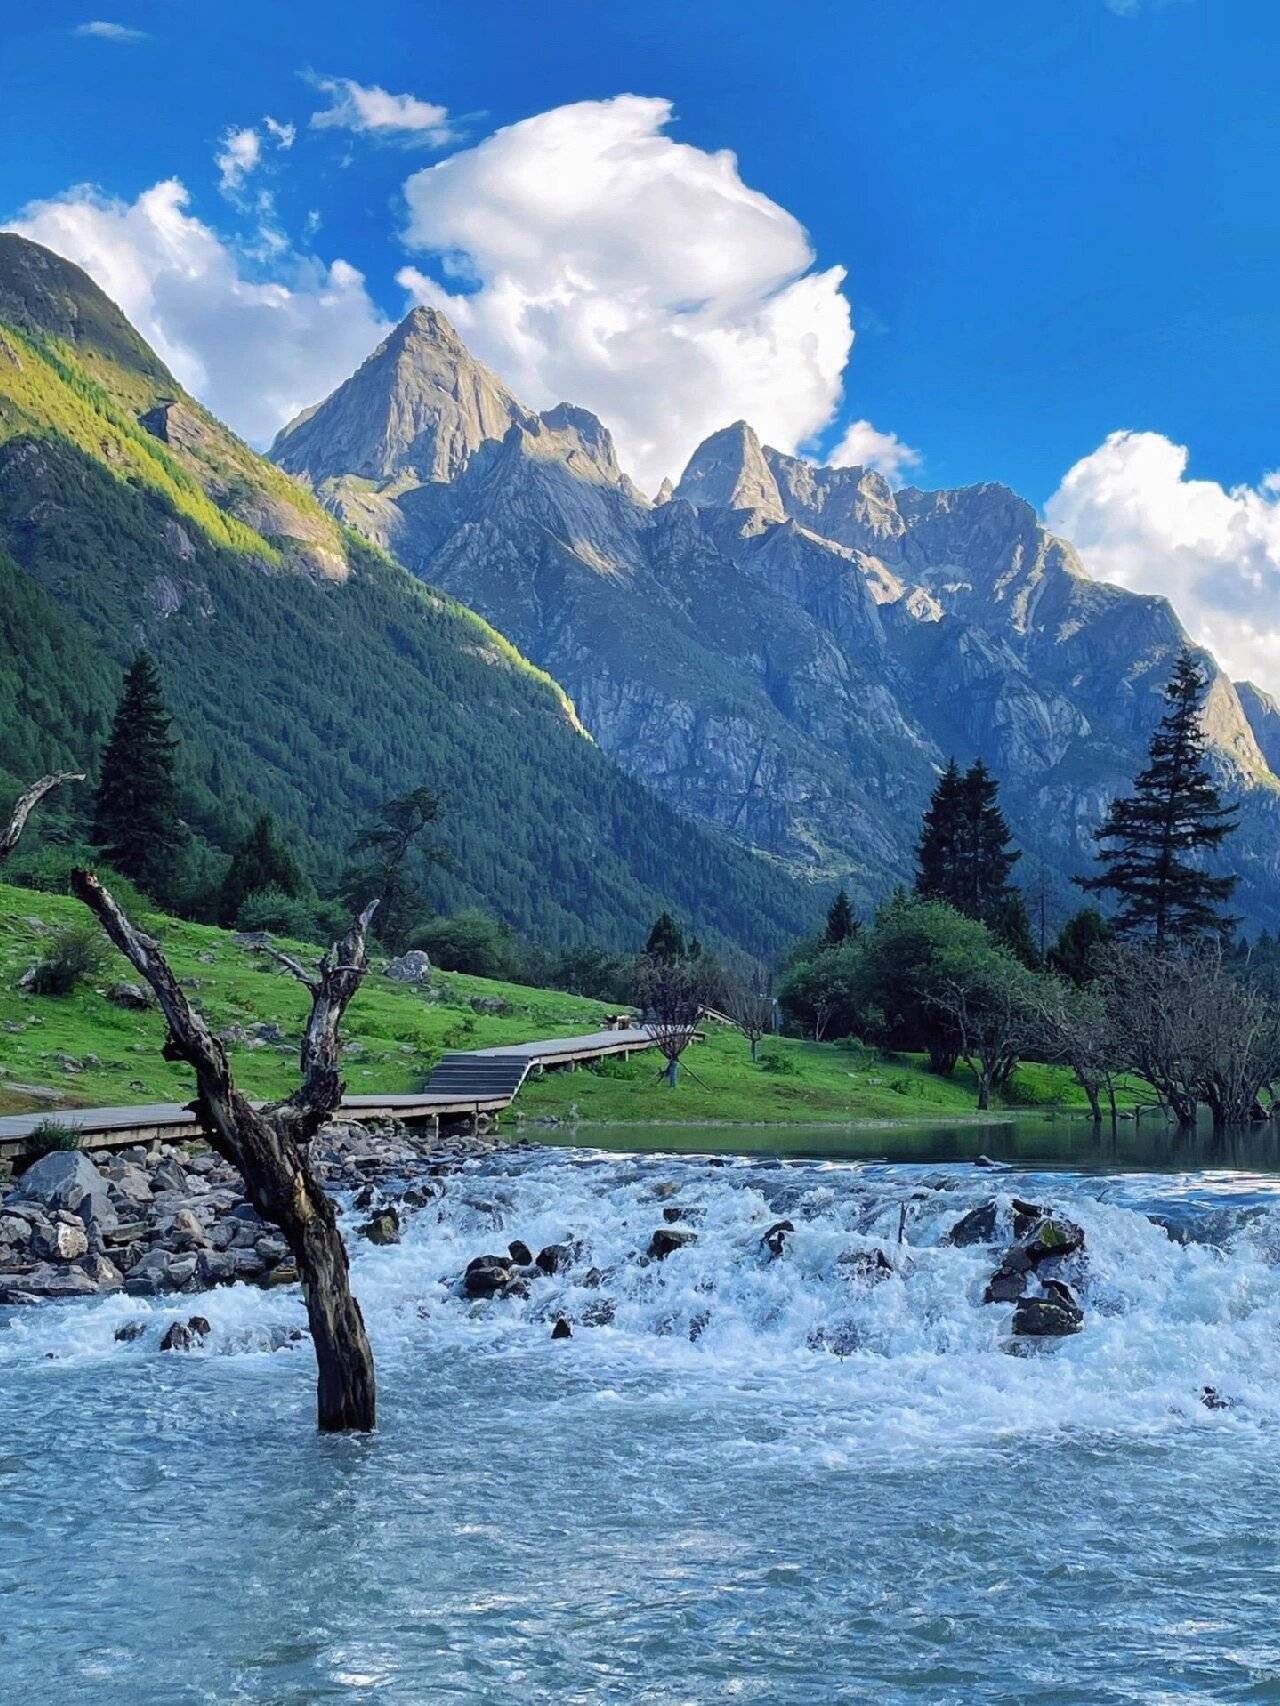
x=562 y=1329
x=520 y=1253
x=869 y=1265
x=775 y=1239
x=668 y=1239
x=487 y=1276
x=185 y=1335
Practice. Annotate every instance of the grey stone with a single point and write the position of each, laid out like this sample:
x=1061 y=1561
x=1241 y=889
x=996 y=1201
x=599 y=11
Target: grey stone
x=668 y=1239
x=413 y=967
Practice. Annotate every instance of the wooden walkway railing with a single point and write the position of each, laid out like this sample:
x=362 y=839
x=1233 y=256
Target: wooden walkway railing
x=479 y=1081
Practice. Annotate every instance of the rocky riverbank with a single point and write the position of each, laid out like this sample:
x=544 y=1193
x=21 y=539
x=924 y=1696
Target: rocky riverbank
x=162 y=1218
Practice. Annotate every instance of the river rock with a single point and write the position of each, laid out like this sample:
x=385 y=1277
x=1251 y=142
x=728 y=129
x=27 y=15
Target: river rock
x=382 y=1228
x=169 y=1175
x=128 y=1331
x=63 y=1242
x=1055 y=1315
x=979 y=1225
x=668 y=1239
x=46 y=1282
x=552 y=1258
x=160 y=1270
x=487 y=1276
x=775 y=1239
x=869 y=1265
x=185 y=1335
x=1006 y=1285
x=68 y=1179
x=562 y=1329
x=520 y=1253
x=1053 y=1236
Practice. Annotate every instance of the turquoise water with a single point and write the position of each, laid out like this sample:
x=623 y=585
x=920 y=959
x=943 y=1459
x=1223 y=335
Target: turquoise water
x=760 y=1482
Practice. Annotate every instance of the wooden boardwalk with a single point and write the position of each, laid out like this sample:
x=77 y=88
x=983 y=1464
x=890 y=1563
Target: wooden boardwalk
x=479 y=1081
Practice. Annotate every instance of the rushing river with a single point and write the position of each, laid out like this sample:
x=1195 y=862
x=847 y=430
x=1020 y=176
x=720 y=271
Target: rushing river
x=763 y=1481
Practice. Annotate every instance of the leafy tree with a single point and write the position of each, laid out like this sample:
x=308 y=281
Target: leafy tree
x=841 y=924
x=387 y=860
x=261 y=861
x=674 y=993
x=666 y=940
x=1151 y=839
x=470 y=942
x=824 y=992
x=1075 y=955
x=136 y=819
x=912 y=948
x=988 y=999
x=965 y=856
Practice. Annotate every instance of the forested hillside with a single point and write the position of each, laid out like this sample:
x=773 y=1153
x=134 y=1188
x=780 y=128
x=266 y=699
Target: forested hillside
x=307 y=672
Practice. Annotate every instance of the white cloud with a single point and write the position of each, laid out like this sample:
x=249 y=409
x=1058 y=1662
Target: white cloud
x=864 y=446
x=601 y=262
x=240 y=152
x=284 y=134
x=1213 y=551
x=352 y=106
x=254 y=351
x=106 y=31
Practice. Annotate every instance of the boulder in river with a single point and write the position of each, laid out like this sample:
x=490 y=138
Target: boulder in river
x=1055 y=1315
x=185 y=1335
x=979 y=1225
x=382 y=1228
x=68 y=1179
x=520 y=1253
x=869 y=1265
x=775 y=1239
x=1053 y=1236
x=562 y=1329
x=487 y=1276
x=668 y=1239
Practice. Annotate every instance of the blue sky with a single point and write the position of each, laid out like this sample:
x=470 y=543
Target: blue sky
x=1056 y=222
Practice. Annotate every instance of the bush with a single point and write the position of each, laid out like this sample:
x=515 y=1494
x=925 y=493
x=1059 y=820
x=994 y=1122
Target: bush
x=308 y=920
x=779 y=1061
x=70 y=957
x=469 y=942
x=48 y=870
x=50 y=1136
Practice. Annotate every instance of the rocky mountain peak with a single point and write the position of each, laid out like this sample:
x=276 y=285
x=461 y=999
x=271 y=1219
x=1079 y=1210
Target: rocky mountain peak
x=729 y=471
x=420 y=406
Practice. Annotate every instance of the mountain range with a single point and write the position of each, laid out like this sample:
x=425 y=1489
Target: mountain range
x=783 y=652
x=307 y=671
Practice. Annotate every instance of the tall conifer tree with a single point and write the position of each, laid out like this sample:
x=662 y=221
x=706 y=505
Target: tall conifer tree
x=841 y=924
x=1150 y=840
x=666 y=940
x=965 y=855
x=136 y=819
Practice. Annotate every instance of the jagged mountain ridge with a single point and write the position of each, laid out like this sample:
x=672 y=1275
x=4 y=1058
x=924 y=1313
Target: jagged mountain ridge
x=308 y=672
x=790 y=651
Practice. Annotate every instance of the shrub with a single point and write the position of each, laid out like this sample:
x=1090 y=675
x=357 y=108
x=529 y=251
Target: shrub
x=74 y=954
x=778 y=1061
x=52 y=1135
x=307 y=920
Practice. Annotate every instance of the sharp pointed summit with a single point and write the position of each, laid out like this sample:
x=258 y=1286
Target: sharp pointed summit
x=729 y=471
x=421 y=405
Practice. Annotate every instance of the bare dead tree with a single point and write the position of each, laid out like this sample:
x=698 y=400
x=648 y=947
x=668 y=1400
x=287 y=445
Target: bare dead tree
x=674 y=993
x=749 y=1003
x=271 y=1146
x=1073 y=1026
x=1151 y=1006
x=1236 y=1030
x=26 y=803
x=990 y=1008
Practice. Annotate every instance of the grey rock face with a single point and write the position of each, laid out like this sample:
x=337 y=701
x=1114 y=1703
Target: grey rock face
x=787 y=652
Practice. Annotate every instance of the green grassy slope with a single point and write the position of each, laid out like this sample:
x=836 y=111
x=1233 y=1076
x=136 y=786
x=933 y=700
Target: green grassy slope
x=308 y=673
x=395 y=1035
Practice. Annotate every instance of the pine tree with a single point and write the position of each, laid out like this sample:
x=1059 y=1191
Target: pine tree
x=388 y=859
x=1150 y=838
x=964 y=856
x=938 y=853
x=136 y=820
x=261 y=861
x=1074 y=955
x=666 y=940
x=841 y=924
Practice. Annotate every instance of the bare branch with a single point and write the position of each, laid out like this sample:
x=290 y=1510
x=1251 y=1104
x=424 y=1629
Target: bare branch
x=26 y=804
x=304 y=977
x=341 y=973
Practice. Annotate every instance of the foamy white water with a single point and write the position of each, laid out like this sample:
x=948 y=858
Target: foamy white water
x=761 y=1480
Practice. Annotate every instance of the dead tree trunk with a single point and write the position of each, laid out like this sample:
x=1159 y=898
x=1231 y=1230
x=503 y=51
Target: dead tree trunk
x=27 y=803
x=271 y=1146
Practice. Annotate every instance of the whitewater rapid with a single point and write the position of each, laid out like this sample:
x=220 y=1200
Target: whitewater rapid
x=1179 y=1282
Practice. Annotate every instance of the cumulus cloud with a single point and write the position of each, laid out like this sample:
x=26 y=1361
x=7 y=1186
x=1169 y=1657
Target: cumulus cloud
x=240 y=152
x=1213 y=551
x=373 y=111
x=589 y=257
x=103 y=30
x=284 y=134
x=254 y=351
x=864 y=446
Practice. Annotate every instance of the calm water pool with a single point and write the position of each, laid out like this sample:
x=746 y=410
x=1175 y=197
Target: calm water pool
x=760 y=1482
